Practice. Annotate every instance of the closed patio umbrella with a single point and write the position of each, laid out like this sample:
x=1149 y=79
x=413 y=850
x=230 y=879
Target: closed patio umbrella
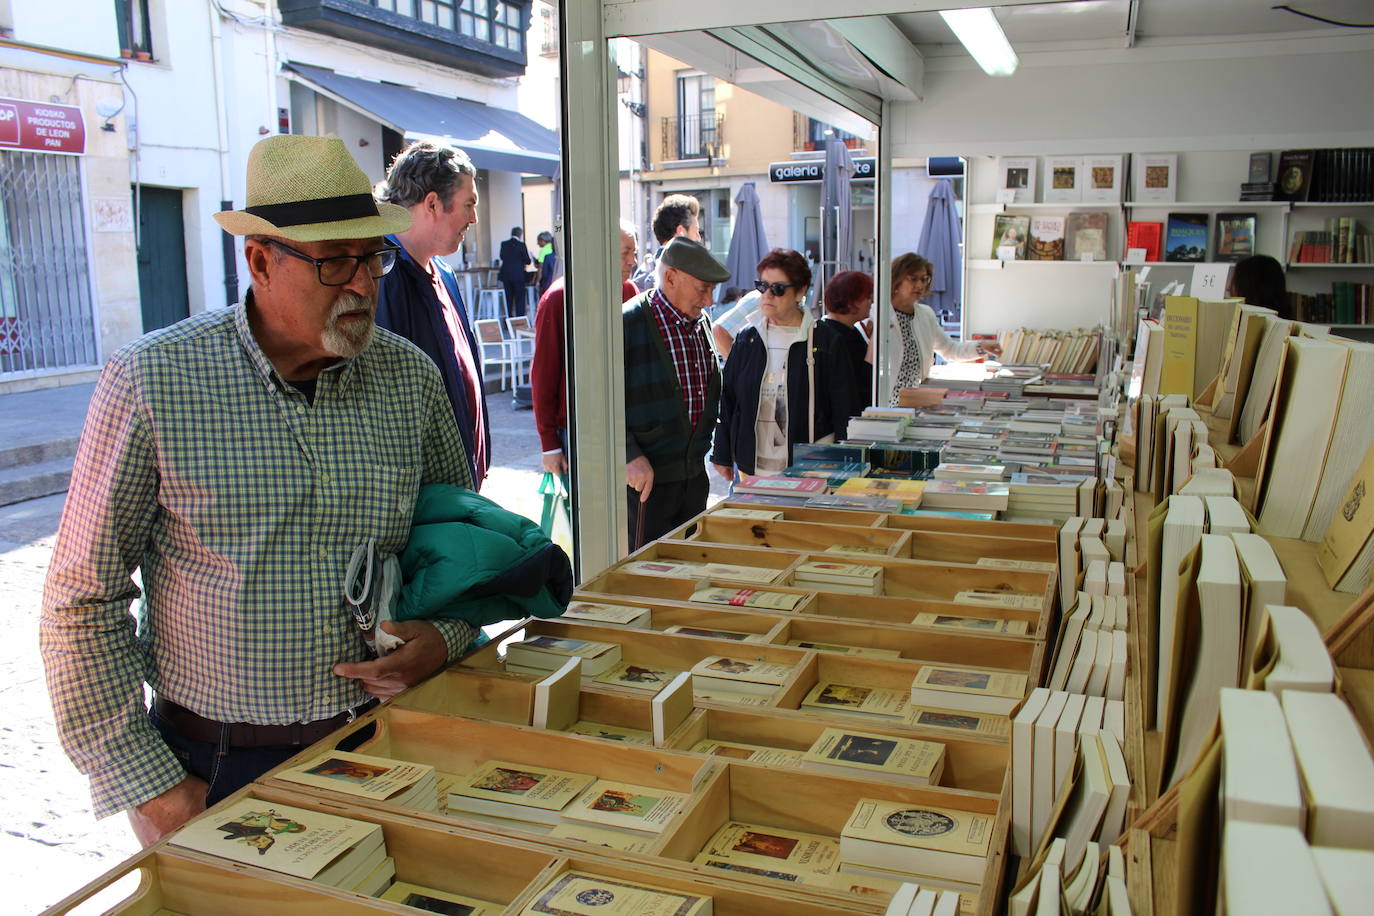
x=940 y=245
x=748 y=244
x=837 y=232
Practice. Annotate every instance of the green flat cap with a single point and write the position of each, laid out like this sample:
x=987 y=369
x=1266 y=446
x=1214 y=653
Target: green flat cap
x=693 y=258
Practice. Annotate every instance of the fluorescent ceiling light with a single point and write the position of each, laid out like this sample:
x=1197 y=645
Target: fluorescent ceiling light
x=983 y=38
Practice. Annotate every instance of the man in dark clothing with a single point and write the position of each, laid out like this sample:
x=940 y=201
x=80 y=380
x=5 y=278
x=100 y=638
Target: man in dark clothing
x=419 y=299
x=672 y=391
x=515 y=257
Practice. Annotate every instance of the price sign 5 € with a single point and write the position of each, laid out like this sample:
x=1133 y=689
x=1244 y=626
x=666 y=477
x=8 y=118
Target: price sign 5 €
x=1209 y=280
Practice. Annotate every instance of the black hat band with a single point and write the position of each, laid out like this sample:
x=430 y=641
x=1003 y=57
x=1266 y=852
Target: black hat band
x=323 y=210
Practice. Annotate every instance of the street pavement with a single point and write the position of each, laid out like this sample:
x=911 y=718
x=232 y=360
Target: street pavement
x=46 y=827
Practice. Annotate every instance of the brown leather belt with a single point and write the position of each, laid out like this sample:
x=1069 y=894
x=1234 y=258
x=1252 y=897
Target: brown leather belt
x=245 y=734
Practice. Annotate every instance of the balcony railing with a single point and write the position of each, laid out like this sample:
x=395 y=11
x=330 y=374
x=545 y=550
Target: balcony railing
x=693 y=137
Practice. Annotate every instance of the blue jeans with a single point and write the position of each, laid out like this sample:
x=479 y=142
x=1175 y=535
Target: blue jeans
x=226 y=769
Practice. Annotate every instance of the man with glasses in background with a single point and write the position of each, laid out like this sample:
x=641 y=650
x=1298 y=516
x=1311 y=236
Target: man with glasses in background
x=419 y=300
x=235 y=460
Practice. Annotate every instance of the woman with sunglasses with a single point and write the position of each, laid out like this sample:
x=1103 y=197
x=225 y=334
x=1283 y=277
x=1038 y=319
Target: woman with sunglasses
x=787 y=379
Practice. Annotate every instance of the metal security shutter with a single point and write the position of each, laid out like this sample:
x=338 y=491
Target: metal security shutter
x=45 y=293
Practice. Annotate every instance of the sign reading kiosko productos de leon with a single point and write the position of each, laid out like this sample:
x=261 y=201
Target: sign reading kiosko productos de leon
x=42 y=127
x=811 y=169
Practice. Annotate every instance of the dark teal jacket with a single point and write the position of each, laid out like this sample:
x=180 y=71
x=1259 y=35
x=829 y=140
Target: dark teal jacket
x=655 y=414
x=469 y=559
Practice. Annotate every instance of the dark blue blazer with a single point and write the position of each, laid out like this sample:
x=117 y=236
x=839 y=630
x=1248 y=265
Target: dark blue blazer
x=514 y=257
x=406 y=304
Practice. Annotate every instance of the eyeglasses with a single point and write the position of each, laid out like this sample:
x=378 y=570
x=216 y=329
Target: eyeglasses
x=340 y=270
x=778 y=289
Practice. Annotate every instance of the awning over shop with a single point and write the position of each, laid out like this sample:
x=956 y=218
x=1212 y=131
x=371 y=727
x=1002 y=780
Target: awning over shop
x=495 y=138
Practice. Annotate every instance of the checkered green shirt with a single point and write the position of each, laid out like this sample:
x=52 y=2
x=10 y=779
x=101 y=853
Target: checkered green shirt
x=240 y=502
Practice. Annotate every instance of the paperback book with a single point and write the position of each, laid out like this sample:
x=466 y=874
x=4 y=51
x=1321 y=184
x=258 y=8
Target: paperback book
x=617 y=614
x=988 y=625
x=708 y=633
x=1009 y=236
x=516 y=791
x=625 y=806
x=376 y=778
x=739 y=675
x=746 y=597
x=636 y=677
x=432 y=900
x=758 y=753
x=547 y=653
x=610 y=732
x=923 y=761
x=1085 y=236
x=869 y=701
x=917 y=839
x=769 y=850
x=581 y=894
x=968 y=689
x=1046 y=239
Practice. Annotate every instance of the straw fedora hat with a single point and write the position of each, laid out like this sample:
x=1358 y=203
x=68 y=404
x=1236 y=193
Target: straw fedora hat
x=309 y=189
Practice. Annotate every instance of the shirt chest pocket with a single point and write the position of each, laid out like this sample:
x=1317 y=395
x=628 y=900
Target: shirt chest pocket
x=377 y=501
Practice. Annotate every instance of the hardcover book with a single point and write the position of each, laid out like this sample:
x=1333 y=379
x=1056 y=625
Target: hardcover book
x=1186 y=239
x=1063 y=179
x=1235 y=236
x=1103 y=177
x=1018 y=176
x=1009 y=235
x=1046 y=239
x=841 y=747
x=1294 y=179
x=1148 y=236
x=617 y=804
x=581 y=894
x=1085 y=234
x=1156 y=177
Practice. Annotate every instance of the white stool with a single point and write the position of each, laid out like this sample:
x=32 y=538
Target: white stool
x=491 y=303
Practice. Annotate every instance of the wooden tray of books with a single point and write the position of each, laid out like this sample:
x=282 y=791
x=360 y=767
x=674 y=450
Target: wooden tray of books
x=991 y=528
x=857 y=518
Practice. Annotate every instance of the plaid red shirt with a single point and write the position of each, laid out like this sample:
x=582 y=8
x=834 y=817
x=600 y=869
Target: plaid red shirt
x=686 y=340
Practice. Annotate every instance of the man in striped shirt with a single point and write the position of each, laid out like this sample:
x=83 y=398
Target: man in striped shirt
x=236 y=460
x=672 y=391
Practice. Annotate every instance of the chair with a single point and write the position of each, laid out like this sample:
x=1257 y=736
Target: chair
x=491 y=303
x=496 y=349
x=521 y=339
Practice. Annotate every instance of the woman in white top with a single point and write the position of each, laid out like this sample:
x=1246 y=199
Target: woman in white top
x=787 y=379
x=918 y=331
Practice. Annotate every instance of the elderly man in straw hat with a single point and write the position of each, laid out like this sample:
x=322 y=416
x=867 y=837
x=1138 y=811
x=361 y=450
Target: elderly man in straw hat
x=236 y=459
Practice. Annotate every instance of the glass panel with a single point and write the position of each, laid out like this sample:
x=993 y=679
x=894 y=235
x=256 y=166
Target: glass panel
x=445 y=17
x=467 y=25
x=428 y=11
x=483 y=30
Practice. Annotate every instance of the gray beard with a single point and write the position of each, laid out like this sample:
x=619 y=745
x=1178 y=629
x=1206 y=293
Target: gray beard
x=349 y=339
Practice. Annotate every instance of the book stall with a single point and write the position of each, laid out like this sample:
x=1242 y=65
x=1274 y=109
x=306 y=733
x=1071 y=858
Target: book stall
x=987 y=655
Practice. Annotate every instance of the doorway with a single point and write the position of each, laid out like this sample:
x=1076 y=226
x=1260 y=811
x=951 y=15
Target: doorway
x=162 y=290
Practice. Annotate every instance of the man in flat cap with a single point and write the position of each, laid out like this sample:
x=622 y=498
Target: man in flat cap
x=672 y=391
x=236 y=460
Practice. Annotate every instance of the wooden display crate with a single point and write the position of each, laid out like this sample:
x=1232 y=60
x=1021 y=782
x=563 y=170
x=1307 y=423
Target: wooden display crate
x=709 y=553
x=971 y=763
x=940 y=523
x=813 y=803
x=857 y=517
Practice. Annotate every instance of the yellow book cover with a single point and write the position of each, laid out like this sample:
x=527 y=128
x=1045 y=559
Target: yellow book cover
x=437 y=901
x=637 y=677
x=920 y=826
x=983 y=597
x=767 y=847
x=874 y=701
x=599 y=836
x=971 y=681
x=746 y=597
x=973 y=624
x=742 y=670
x=923 y=760
x=621 y=614
x=1351 y=526
x=618 y=804
x=611 y=732
x=518 y=784
x=281 y=838
x=772 y=756
x=358 y=774
x=580 y=894
x=904 y=490
x=1180 y=345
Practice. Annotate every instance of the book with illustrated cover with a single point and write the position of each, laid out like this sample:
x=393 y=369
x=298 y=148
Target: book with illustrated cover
x=710 y=633
x=550 y=652
x=600 y=836
x=796 y=486
x=680 y=569
x=848 y=650
x=1025 y=565
x=376 y=778
x=736 y=572
x=515 y=791
x=1156 y=177
x=617 y=614
x=736 y=750
x=1018 y=176
x=972 y=624
x=1186 y=238
x=872 y=550
x=580 y=894
x=965 y=494
x=746 y=597
x=1009 y=236
x=917 y=839
x=637 y=677
x=842 y=747
x=1294 y=178
x=869 y=701
x=1064 y=180
x=1085 y=236
x=1235 y=236
x=737 y=674
x=610 y=732
x=294 y=841
x=970 y=723
x=631 y=807
x=1103 y=177
x=741 y=512
x=771 y=848
x=1046 y=239
x=968 y=689
x=907 y=491
x=433 y=900
x=843 y=573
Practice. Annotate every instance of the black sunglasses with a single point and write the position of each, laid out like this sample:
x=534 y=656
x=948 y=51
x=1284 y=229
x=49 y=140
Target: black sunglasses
x=778 y=289
x=340 y=270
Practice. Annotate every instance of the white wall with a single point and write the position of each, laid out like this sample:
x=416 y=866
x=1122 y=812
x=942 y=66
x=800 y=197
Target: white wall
x=84 y=26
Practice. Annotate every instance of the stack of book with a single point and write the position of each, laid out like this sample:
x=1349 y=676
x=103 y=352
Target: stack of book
x=698 y=569
x=541 y=655
x=341 y=852
x=877 y=428
x=722 y=678
x=733 y=596
x=968 y=689
x=576 y=893
x=772 y=852
x=622 y=615
x=942 y=844
x=970 y=472
x=965 y=494
x=397 y=782
x=1037 y=495
x=779 y=486
x=833 y=576
x=846 y=751
x=905 y=491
